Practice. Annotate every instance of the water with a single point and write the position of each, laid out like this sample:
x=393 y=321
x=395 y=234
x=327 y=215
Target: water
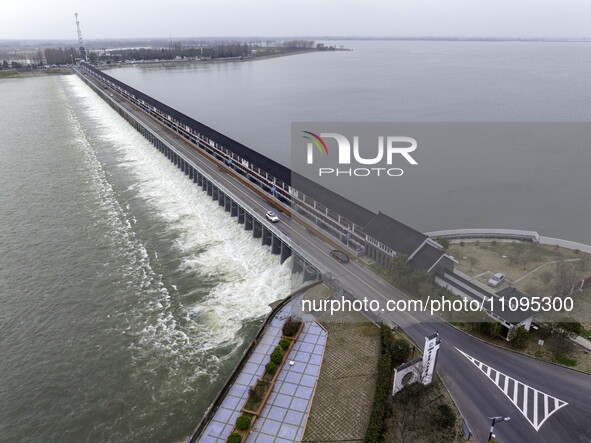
x=255 y=103
x=124 y=304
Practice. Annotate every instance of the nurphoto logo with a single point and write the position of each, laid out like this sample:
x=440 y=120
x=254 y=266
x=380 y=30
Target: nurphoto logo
x=389 y=148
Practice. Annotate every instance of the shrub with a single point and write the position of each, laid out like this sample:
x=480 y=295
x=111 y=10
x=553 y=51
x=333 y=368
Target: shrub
x=494 y=329
x=234 y=437
x=284 y=343
x=444 y=242
x=254 y=394
x=271 y=367
x=484 y=326
x=412 y=395
x=243 y=422
x=375 y=426
x=445 y=417
x=518 y=337
x=566 y=361
x=400 y=351
x=385 y=375
x=276 y=357
x=290 y=327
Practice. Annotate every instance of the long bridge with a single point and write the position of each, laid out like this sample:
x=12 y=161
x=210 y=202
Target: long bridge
x=247 y=184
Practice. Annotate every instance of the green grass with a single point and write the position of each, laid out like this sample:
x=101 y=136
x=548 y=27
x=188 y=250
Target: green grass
x=538 y=252
x=585 y=333
x=8 y=73
x=566 y=361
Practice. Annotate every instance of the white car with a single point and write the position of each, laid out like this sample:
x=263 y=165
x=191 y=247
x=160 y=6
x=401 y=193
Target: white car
x=272 y=217
x=496 y=279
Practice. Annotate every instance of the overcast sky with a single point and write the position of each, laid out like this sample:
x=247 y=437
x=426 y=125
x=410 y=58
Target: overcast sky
x=49 y=19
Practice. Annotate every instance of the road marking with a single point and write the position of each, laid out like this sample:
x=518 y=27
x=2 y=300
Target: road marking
x=529 y=409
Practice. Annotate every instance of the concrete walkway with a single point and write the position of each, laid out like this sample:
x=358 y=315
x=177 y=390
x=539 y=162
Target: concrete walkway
x=583 y=342
x=284 y=416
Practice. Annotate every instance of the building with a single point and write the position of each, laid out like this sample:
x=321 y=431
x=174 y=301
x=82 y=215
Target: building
x=501 y=313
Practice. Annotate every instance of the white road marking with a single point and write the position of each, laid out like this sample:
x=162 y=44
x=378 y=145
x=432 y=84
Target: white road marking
x=532 y=415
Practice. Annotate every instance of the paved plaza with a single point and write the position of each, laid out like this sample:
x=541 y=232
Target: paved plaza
x=284 y=416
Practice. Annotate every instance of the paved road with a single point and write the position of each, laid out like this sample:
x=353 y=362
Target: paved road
x=546 y=403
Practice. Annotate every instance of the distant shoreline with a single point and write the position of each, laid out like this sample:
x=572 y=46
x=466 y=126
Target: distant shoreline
x=67 y=70
x=173 y=63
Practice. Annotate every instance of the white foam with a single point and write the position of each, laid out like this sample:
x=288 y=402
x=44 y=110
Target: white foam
x=212 y=245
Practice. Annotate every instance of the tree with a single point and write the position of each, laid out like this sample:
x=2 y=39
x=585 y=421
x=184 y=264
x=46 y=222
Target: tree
x=400 y=351
x=399 y=267
x=525 y=259
x=518 y=337
x=546 y=329
x=425 y=290
x=5 y=65
x=568 y=329
x=413 y=398
x=445 y=417
x=444 y=242
x=565 y=278
x=517 y=250
x=494 y=329
x=546 y=277
x=559 y=335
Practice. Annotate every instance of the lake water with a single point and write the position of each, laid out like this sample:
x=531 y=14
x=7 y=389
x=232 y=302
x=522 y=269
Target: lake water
x=256 y=102
x=126 y=294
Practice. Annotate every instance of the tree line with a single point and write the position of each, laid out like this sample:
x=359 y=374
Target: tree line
x=220 y=50
x=34 y=59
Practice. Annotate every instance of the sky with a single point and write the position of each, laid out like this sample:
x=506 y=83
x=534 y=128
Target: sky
x=44 y=19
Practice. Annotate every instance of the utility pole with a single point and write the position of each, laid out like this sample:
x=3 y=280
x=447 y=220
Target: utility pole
x=80 y=42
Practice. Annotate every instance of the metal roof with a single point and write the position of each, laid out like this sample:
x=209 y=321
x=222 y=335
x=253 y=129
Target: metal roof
x=394 y=234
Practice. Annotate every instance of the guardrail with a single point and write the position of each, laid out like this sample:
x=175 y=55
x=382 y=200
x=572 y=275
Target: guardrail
x=512 y=234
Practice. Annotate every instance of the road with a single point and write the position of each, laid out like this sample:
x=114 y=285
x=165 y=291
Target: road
x=546 y=403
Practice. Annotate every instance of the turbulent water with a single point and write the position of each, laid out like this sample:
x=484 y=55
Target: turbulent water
x=126 y=294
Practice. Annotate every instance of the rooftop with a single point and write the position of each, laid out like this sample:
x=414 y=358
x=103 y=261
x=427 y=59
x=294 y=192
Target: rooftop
x=394 y=234
x=426 y=258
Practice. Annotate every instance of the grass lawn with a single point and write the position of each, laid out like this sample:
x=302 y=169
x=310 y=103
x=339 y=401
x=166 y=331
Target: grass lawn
x=533 y=271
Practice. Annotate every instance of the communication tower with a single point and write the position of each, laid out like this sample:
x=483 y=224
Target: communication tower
x=80 y=42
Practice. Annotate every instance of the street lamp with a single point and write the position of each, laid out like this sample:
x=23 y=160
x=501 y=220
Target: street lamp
x=492 y=426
